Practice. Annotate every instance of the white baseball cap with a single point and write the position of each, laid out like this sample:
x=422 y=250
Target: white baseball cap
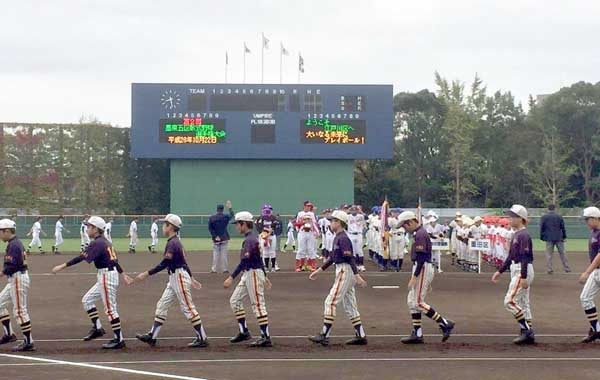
x=589 y=212
x=340 y=215
x=7 y=223
x=406 y=216
x=477 y=219
x=97 y=222
x=172 y=219
x=244 y=216
x=518 y=211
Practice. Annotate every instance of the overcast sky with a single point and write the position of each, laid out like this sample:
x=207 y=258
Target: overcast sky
x=60 y=60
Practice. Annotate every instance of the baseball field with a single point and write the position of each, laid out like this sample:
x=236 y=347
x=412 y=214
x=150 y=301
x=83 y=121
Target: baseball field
x=480 y=348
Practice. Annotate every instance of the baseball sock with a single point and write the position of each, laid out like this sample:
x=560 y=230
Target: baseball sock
x=592 y=316
x=417 y=324
x=26 y=330
x=40 y=248
x=530 y=323
x=241 y=319
x=263 y=323
x=197 y=323
x=521 y=321
x=158 y=322
x=5 y=319
x=436 y=317
x=273 y=261
x=116 y=327
x=327 y=325
x=93 y=314
x=266 y=263
x=356 y=322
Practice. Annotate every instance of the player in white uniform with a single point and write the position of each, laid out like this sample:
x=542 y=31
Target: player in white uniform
x=306 y=257
x=435 y=231
x=398 y=240
x=356 y=227
x=108 y=231
x=265 y=226
x=477 y=232
x=35 y=232
x=291 y=240
x=153 y=235
x=133 y=235
x=85 y=239
x=58 y=235
x=326 y=234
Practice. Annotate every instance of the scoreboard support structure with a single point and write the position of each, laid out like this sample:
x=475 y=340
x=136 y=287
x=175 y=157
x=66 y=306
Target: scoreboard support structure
x=197 y=186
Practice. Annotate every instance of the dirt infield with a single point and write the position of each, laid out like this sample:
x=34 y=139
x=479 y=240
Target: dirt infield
x=481 y=347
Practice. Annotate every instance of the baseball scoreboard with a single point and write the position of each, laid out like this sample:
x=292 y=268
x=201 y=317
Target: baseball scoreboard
x=250 y=121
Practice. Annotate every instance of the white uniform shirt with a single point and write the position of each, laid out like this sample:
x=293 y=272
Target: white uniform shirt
x=308 y=217
x=153 y=229
x=476 y=232
x=324 y=224
x=36 y=228
x=59 y=227
x=356 y=223
x=133 y=228
x=290 y=228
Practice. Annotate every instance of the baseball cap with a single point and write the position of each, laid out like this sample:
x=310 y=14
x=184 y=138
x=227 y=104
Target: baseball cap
x=220 y=207
x=243 y=216
x=406 y=216
x=97 y=222
x=340 y=215
x=591 y=212
x=518 y=211
x=477 y=219
x=172 y=219
x=7 y=223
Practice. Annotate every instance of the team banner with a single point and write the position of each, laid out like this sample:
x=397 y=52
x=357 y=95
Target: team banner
x=483 y=245
x=440 y=244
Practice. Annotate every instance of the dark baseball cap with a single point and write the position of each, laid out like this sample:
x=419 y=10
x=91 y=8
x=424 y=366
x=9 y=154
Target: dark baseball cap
x=220 y=207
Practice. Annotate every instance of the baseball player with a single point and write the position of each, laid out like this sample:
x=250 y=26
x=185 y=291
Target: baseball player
x=16 y=289
x=267 y=239
x=85 y=239
x=252 y=285
x=133 y=235
x=153 y=235
x=520 y=262
x=108 y=231
x=327 y=234
x=102 y=254
x=346 y=276
x=435 y=231
x=291 y=240
x=398 y=241
x=34 y=232
x=591 y=276
x=420 y=281
x=58 y=237
x=308 y=230
x=178 y=288
x=356 y=227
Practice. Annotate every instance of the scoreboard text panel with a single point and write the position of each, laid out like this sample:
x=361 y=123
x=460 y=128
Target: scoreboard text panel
x=233 y=121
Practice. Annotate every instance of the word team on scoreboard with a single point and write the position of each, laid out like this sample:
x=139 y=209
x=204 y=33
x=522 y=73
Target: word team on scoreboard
x=228 y=121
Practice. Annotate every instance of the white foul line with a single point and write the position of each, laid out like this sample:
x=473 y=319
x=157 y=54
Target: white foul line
x=102 y=367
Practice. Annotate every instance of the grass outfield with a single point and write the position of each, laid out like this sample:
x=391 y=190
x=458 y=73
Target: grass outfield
x=205 y=244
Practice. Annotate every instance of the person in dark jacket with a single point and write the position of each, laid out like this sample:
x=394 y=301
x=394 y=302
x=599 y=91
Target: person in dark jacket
x=552 y=231
x=217 y=226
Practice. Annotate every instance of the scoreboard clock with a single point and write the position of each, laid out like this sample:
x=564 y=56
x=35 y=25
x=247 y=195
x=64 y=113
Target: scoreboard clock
x=250 y=121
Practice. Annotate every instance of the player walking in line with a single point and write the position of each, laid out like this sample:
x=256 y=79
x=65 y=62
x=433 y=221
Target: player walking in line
x=290 y=240
x=153 y=235
x=35 y=232
x=108 y=231
x=398 y=240
x=253 y=284
x=346 y=277
x=58 y=237
x=102 y=254
x=178 y=288
x=520 y=262
x=591 y=276
x=356 y=228
x=133 y=235
x=85 y=239
x=16 y=290
x=420 y=281
x=267 y=239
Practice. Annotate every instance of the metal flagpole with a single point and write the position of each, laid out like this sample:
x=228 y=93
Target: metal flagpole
x=281 y=64
x=226 y=65
x=245 y=49
x=262 y=59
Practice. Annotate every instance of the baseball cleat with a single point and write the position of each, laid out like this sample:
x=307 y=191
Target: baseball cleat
x=357 y=341
x=8 y=339
x=447 y=330
x=23 y=347
x=93 y=334
x=413 y=339
x=240 y=337
x=198 y=343
x=263 y=341
x=114 y=345
x=592 y=336
x=146 y=338
x=319 y=339
x=526 y=337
